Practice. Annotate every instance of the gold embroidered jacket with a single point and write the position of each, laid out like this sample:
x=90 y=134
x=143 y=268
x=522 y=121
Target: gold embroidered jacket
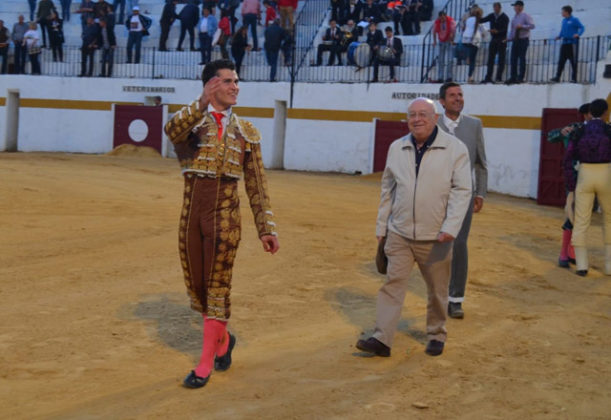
x=199 y=150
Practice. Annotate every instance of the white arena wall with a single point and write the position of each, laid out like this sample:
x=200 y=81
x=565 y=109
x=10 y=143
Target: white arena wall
x=329 y=128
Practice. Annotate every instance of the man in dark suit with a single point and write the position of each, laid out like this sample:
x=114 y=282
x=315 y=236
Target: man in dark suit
x=188 y=16
x=499 y=22
x=412 y=17
x=90 y=37
x=390 y=45
x=331 y=42
x=274 y=37
x=168 y=16
x=374 y=39
x=371 y=12
x=107 y=43
x=469 y=131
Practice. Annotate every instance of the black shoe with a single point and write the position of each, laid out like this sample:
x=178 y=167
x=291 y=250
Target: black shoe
x=434 y=348
x=194 y=381
x=572 y=261
x=581 y=273
x=555 y=79
x=224 y=362
x=374 y=346
x=374 y=81
x=510 y=81
x=455 y=310
x=563 y=263
x=483 y=82
x=179 y=49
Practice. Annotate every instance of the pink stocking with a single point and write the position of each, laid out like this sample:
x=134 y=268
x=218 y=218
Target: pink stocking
x=213 y=332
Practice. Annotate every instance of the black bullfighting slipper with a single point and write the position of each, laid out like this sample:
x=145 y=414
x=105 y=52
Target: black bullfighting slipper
x=374 y=346
x=194 y=381
x=434 y=348
x=224 y=362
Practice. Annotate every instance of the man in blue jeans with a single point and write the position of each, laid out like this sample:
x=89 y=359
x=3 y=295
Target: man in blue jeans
x=274 y=35
x=251 y=13
x=137 y=25
x=207 y=27
x=521 y=24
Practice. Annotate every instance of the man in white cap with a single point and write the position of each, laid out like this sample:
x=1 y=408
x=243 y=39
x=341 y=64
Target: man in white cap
x=137 y=25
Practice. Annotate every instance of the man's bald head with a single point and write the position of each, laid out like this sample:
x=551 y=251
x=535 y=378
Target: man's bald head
x=421 y=118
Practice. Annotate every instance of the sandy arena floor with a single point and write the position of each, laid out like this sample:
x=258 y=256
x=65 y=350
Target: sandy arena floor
x=95 y=323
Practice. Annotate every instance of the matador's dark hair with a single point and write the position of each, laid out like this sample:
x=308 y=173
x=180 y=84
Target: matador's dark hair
x=584 y=109
x=598 y=107
x=445 y=87
x=211 y=69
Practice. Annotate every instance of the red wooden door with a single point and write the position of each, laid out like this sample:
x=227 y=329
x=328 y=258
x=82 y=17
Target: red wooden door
x=551 y=190
x=385 y=133
x=138 y=125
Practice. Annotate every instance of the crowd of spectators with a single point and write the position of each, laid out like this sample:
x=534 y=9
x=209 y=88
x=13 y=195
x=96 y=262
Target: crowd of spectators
x=214 y=22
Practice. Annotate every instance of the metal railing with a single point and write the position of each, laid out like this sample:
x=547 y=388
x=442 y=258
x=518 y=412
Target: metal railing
x=542 y=60
x=453 y=8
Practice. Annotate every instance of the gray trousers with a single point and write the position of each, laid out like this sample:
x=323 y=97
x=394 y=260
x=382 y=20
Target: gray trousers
x=433 y=259
x=460 y=260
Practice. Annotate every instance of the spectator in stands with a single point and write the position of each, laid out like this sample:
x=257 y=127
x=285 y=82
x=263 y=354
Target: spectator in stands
x=19 y=30
x=270 y=13
x=444 y=30
x=188 y=17
x=521 y=24
x=286 y=9
x=138 y=26
x=287 y=48
x=426 y=10
x=331 y=41
x=374 y=39
x=86 y=11
x=350 y=35
x=103 y=10
x=570 y=32
x=472 y=37
x=4 y=38
x=398 y=16
x=274 y=36
x=225 y=27
x=239 y=45
x=353 y=12
x=251 y=13
x=66 y=9
x=168 y=16
x=498 y=29
x=31 y=41
x=107 y=42
x=56 y=36
x=119 y=5
x=336 y=8
x=90 y=38
x=32 y=4
x=206 y=27
x=412 y=17
x=45 y=7
x=371 y=12
x=228 y=8
x=389 y=53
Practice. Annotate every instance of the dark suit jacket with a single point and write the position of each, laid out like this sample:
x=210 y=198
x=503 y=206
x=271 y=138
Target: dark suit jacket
x=338 y=35
x=169 y=13
x=500 y=24
x=274 y=35
x=397 y=45
x=470 y=132
x=373 y=11
x=189 y=15
x=375 y=39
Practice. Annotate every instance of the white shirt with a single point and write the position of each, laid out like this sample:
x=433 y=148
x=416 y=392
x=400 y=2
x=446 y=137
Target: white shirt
x=450 y=123
x=226 y=115
x=135 y=25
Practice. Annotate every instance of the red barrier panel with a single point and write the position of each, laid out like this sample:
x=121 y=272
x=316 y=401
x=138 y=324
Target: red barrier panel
x=385 y=133
x=138 y=125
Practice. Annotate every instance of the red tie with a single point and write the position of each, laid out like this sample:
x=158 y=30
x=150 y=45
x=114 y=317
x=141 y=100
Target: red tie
x=218 y=117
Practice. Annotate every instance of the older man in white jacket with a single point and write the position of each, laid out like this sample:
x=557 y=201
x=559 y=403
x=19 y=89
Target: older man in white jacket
x=426 y=191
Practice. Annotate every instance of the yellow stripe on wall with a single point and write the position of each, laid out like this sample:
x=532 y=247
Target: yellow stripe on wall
x=488 y=121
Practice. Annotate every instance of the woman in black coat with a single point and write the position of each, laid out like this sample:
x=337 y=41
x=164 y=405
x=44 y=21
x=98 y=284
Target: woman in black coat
x=239 y=45
x=56 y=36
